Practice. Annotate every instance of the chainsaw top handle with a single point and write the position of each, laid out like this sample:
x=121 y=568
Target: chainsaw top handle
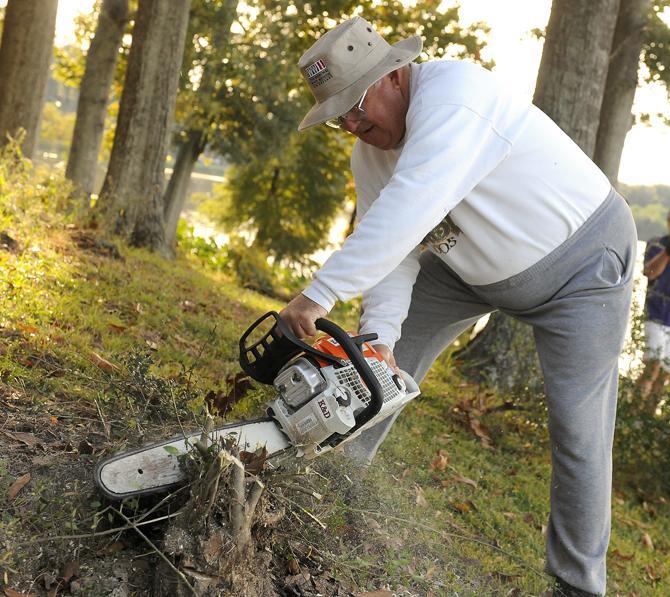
x=263 y=359
x=353 y=347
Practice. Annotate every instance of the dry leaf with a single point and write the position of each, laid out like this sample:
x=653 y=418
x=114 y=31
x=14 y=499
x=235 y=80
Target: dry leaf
x=382 y=593
x=509 y=515
x=254 y=461
x=236 y=388
x=12 y=593
x=617 y=554
x=27 y=329
x=463 y=507
x=70 y=570
x=480 y=431
x=101 y=363
x=115 y=327
x=647 y=542
x=18 y=485
x=440 y=461
x=420 y=498
x=651 y=574
x=115 y=547
x=293 y=566
x=465 y=480
x=28 y=439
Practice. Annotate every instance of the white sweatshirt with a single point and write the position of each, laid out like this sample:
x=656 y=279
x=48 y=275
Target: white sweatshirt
x=483 y=179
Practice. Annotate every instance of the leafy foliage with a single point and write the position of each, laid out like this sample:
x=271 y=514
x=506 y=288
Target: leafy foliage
x=656 y=49
x=242 y=89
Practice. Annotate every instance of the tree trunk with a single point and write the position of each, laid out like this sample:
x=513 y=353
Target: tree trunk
x=570 y=89
x=616 y=116
x=188 y=153
x=93 y=96
x=573 y=70
x=25 y=54
x=131 y=195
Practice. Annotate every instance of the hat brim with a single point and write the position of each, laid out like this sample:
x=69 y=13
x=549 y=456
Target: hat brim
x=400 y=54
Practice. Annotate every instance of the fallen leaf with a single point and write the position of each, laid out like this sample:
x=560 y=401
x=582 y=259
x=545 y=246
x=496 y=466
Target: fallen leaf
x=27 y=329
x=382 y=593
x=440 y=461
x=617 y=554
x=647 y=542
x=115 y=327
x=18 y=485
x=235 y=389
x=70 y=570
x=101 y=363
x=463 y=507
x=53 y=420
x=12 y=593
x=293 y=566
x=28 y=439
x=509 y=515
x=254 y=461
x=480 y=431
x=651 y=574
x=115 y=547
x=465 y=480
x=420 y=497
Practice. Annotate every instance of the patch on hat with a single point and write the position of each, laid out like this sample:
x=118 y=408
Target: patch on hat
x=317 y=73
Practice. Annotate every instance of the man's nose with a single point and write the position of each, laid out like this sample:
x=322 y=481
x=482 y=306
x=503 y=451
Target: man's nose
x=351 y=126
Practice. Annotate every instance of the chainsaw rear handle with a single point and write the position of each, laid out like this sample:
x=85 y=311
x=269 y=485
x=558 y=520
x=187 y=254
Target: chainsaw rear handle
x=263 y=359
x=354 y=350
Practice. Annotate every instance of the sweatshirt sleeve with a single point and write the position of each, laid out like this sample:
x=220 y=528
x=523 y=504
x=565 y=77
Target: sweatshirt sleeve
x=385 y=305
x=448 y=150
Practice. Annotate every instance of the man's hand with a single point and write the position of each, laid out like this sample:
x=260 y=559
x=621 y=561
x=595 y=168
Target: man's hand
x=387 y=355
x=300 y=315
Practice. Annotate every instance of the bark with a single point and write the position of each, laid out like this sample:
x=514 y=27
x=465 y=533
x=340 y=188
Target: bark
x=132 y=194
x=188 y=153
x=190 y=150
x=573 y=70
x=616 y=116
x=25 y=54
x=570 y=89
x=93 y=96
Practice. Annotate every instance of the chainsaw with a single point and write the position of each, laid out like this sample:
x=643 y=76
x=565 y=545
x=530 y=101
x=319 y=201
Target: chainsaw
x=327 y=394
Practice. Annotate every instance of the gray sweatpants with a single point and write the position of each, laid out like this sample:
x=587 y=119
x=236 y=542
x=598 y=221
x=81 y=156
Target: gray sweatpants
x=577 y=299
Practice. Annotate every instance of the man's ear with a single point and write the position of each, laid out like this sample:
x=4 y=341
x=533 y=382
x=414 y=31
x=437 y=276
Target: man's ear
x=395 y=76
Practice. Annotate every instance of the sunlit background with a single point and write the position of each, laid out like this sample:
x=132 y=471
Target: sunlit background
x=517 y=55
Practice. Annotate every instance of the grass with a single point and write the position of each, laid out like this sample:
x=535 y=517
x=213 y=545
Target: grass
x=98 y=353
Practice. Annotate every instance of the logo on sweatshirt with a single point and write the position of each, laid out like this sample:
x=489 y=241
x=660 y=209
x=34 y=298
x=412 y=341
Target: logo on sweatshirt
x=443 y=237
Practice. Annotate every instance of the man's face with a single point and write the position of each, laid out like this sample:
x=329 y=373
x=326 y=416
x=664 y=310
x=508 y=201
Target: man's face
x=385 y=105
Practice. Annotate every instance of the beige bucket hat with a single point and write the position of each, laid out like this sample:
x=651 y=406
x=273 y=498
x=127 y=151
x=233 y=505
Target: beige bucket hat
x=344 y=62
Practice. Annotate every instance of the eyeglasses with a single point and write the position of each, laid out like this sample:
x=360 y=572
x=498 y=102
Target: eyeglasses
x=356 y=114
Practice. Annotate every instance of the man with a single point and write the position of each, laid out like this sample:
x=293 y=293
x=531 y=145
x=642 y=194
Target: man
x=470 y=199
x=657 y=324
